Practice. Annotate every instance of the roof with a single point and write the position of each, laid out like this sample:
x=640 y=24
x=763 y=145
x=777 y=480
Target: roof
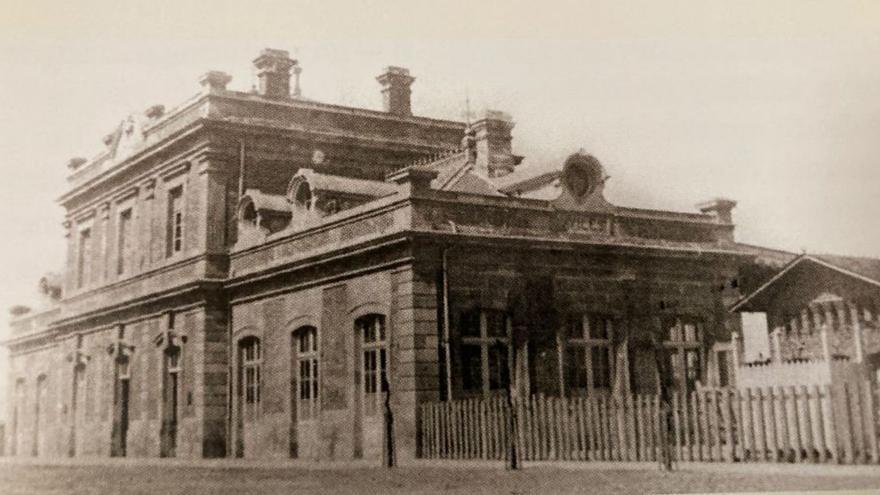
x=529 y=184
x=776 y=258
x=866 y=270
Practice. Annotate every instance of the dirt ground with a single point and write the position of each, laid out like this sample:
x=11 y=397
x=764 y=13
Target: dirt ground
x=130 y=478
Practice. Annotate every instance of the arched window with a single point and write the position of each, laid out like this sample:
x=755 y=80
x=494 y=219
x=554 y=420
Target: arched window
x=587 y=356
x=306 y=341
x=371 y=330
x=484 y=338
x=250 y=361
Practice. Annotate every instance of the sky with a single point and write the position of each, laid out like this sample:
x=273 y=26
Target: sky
x=775 y=104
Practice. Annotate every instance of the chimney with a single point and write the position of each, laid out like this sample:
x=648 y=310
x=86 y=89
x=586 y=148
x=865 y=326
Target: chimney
x=273 y=73
x=214 y=80
x=493 y=144
x=721 y=209
x=412 y=179
x=395 y=83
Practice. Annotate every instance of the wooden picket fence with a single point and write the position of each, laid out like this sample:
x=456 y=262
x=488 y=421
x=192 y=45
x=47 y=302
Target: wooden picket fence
x=775 y=424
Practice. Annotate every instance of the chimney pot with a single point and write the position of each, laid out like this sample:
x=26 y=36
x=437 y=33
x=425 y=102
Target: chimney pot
x=720 y=208
x=214 y=80
x=396 y=92
x=273 y=73
x=493 y=143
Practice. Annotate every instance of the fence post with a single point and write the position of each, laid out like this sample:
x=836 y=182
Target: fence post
x=808 y=443
x=819 y=434
x=793 y=433
x=727 y=453
x=846 y=420
x=739 y=438
x=831 y=425
x=871 y=421
x=686 y=421
x=859 y=429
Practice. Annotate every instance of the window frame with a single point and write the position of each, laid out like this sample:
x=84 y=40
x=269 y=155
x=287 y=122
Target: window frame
x=307 y=388
x=83 y=258
x=175 y=227
x=587 y=343
x=250 y=364
x=124 y=241
x=679 y=347
x=374 y=380
x=487 y=345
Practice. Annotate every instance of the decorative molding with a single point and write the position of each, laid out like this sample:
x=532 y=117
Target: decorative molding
x=175 y=171
x=125 y=194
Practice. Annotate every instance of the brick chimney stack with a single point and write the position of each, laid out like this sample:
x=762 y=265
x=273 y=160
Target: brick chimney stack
x=273 y=73
x=395 y=83
x=214 y=80
x=493 y=143
x=720 y=208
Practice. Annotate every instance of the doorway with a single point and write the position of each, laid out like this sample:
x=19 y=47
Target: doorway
x=371 y=386
x=79 y=372
x=170 y=393
x=39 y=410
x=120 y=408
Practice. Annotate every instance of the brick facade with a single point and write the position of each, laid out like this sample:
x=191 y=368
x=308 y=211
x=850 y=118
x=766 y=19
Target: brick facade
x=167 y=302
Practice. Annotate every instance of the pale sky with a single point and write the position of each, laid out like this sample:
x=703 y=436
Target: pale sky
x=773 y=103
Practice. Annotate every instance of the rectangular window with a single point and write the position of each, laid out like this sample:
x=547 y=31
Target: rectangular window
x=587 y=354
x=123 y=241
x=483 y=351
x=174 y=233
x=84 y=257
x=683 y=346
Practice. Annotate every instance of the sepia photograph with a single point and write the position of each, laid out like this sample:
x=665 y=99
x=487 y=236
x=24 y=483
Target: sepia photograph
x=379 y=246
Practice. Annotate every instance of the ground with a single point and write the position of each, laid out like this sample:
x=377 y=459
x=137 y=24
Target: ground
x=194 y=478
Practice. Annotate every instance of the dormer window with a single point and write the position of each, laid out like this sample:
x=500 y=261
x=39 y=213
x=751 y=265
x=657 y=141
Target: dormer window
x=302 y=197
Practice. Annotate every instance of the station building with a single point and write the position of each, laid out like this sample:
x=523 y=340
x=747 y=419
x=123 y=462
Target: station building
x=257 y=274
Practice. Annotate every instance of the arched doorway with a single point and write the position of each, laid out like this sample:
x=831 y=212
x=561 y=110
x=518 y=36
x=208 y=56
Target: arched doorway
x=304 y=405
x=248 y=395
x=371 y=384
